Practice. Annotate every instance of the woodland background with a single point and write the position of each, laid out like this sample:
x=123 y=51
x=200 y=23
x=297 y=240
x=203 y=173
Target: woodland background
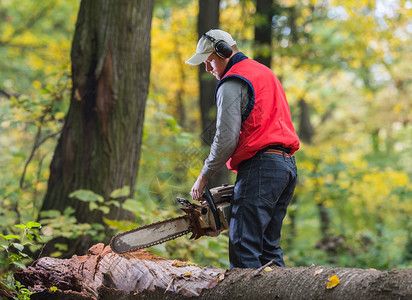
x=345 y=64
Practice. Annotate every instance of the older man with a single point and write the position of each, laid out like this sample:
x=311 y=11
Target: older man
x=255 y=138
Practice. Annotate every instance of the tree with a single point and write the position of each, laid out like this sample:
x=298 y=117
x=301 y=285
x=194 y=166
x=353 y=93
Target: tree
x=99 y=147
x=208 y=18
x=263 y=31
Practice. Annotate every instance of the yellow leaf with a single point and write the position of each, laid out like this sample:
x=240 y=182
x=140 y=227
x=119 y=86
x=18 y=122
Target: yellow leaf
x=267 y=269
x=36 y=84
x=333 y=281
x=60 y=115
x=177 y=263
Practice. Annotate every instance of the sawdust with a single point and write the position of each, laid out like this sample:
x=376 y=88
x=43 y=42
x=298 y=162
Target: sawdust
x=143 y=255
x=101 y=250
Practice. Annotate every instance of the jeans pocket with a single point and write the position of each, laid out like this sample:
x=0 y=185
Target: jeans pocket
x=271 y=184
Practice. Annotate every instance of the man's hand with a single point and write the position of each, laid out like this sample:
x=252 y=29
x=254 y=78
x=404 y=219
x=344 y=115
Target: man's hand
x=198 y=187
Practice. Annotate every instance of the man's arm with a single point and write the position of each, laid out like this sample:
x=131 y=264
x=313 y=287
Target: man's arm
x=231 y=100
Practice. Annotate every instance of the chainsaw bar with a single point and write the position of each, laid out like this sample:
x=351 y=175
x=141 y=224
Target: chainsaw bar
x=150 y=235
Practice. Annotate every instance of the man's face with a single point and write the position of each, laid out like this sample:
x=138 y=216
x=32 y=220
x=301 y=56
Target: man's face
x=215 y=65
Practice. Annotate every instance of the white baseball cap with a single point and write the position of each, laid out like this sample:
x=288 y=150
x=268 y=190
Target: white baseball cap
x=206 y=47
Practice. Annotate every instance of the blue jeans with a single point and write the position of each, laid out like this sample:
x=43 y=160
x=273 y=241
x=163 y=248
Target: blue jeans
x=264 y=187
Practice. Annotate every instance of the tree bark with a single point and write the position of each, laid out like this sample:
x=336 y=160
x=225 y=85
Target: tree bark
x=103 y=274
x=99 y=148
x=263 y=31
x=306 y=130
x=208 y=18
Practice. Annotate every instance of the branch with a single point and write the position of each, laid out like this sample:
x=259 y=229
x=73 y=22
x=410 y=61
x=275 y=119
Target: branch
x=33 y=20
x=7 y=95
x=37 y=144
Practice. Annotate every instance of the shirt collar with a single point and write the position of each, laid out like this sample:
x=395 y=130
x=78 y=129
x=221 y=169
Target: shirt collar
x=238 y=57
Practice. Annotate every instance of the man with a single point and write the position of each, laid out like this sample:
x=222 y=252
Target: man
x=255 y=136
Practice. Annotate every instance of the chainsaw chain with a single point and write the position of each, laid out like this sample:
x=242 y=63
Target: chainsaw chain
x=153 y=243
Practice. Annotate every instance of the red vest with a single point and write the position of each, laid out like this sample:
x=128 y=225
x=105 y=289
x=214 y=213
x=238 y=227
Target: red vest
x=269 y=121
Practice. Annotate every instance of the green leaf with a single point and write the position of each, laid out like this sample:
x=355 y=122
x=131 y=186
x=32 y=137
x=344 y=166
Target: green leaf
x=56 y=254
x=10 y=236
x=131 y=205
x=33 y=225
x=18 y=246
x=18 y=284
x=93 y=206
x=113 y=202
x=19 y=264
x=61 y=247
x=104 y=209
x=98 y=226
x=50 y=214
x=86 y=196
x=118 y=193
x=36 y=234
x=68 y=211
x=21 y=226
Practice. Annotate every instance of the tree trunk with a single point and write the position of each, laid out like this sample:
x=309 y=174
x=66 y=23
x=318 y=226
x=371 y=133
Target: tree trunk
x=208 y=18
x=103 y=274
x=99 y=148
x=306 y=131
x=263 y=31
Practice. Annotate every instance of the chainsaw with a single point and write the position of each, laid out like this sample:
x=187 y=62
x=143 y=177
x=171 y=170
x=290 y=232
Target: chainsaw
x=209 y=218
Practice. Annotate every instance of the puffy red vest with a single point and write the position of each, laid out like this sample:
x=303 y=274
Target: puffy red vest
x=269 y=121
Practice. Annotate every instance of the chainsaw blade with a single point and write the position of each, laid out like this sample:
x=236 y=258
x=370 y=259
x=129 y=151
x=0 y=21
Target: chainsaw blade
x=150 y=235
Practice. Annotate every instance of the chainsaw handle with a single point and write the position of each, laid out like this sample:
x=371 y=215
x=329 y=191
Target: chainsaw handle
x=209 y=199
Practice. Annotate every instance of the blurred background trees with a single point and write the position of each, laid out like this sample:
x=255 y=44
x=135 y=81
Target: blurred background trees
x=345 y=68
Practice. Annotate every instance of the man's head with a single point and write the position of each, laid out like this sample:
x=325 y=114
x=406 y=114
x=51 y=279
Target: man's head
x=214 y=48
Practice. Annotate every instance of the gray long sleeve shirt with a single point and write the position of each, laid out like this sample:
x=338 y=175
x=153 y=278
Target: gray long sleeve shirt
x=231 y=99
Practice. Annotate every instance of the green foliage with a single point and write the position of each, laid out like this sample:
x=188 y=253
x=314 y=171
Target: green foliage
x=13 y=257
x=56 y=224
x=21 y=292
x=86 y=196
x=35 y=38
x=14 y=250
x=97 y=202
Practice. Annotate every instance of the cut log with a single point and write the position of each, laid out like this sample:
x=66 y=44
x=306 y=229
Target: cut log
x=104 y=274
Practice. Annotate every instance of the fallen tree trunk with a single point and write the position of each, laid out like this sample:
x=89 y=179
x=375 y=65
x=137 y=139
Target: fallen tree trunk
x=103 y=274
